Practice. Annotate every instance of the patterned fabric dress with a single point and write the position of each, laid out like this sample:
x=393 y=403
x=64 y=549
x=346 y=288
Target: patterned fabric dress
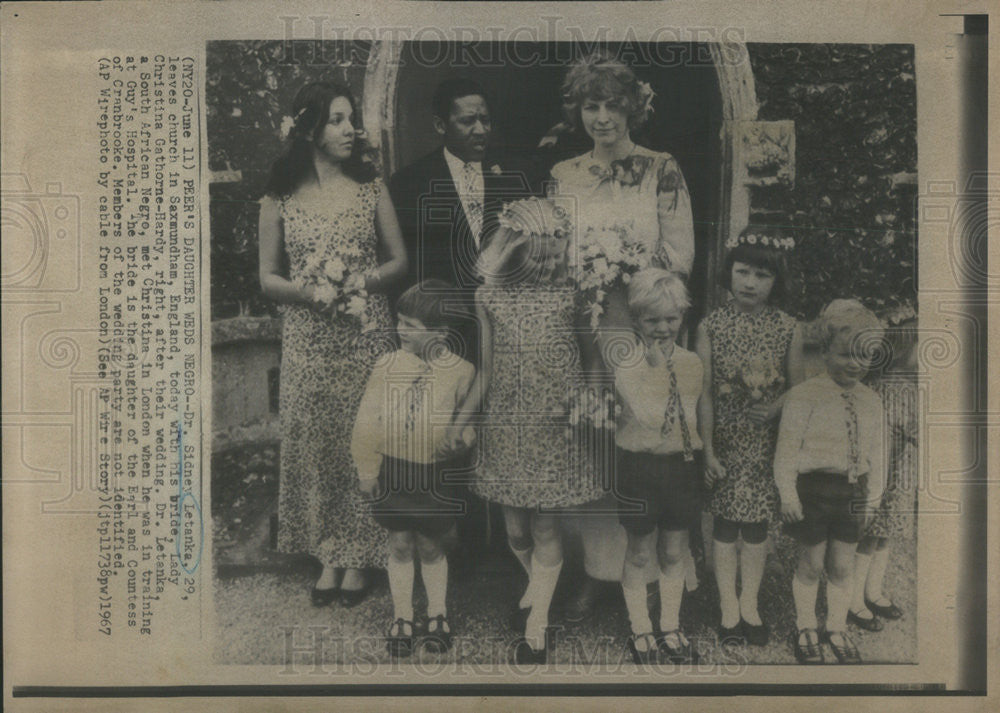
x=325 y=363
x=527 y=457
x=748 y=366
x=896 y=514
x=646 y=191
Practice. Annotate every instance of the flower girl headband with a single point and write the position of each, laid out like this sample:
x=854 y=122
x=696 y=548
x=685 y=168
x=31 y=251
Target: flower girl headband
x=762 y=239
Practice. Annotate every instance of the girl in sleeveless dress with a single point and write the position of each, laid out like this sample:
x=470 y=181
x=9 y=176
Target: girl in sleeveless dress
x=324 y=205
x=752 y=354
x=530 y=458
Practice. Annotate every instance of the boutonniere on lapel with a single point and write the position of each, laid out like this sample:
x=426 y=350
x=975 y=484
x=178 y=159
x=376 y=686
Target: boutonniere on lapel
x=495 y=169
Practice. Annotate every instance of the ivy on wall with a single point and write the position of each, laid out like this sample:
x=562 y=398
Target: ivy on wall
x=853 y=204
x=250 y=88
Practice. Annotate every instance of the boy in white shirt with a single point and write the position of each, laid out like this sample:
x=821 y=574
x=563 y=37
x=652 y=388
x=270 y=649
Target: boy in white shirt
x=828 y=467
x=658 y=460
x=399 y=449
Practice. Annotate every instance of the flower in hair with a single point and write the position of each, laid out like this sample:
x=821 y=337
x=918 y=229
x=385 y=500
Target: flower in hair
x=647 y=95
x=536 y=217
x=766 y=241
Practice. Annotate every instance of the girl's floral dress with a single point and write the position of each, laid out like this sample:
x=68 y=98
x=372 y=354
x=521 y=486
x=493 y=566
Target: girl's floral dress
x=749 y=352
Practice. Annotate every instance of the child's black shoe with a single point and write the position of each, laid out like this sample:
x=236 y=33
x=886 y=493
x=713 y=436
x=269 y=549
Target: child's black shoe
x=844 y=650
x=641 y=657
x=437 y=634
x=399 y=641
x=807 y=648
x=676 y=647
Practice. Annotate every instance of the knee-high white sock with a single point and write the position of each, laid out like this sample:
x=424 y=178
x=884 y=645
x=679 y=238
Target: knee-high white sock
x=873 y=586
x=862 y=564
x=435 y=576
x=837 y=600
x=690 y=572
x=638 y=611
x=804 y=596
x=751 y=572
x=543 y=585
x=671 y=593
x=725 y=578
x=401 y=587
x=524 y=557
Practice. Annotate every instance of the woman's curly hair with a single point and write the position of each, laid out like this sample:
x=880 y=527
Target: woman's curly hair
x=601 y=76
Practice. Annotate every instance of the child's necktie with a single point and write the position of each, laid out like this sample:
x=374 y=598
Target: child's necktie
x=675 y=409
x=853 y=454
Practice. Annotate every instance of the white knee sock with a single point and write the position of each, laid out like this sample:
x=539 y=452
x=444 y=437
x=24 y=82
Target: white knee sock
x=524 y=557
x=862 y=564
x=690 y=572
x=725 y=578
x=804 y=596
x=873 y=586
x=638 y=611
x=435 y=578
x=751 y=572
x=543 y=585
x=401 y=587
x=837 y=600
x=671 y=593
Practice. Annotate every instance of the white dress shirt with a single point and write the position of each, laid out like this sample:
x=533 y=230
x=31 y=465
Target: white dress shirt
x=407 y=408
x=471 y=190
x=644 y=392
x=813 y=435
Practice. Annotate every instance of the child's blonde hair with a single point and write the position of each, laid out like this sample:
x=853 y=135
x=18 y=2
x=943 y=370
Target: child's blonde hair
x=651 y=286
x=851 y=318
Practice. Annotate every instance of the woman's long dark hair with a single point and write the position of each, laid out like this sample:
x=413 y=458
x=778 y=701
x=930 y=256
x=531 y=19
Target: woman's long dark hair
x=310 y=112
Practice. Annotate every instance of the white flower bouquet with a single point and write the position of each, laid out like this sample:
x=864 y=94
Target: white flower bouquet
x=757 y=376
x=337 y=289
x=586 y=408
x=607 y=257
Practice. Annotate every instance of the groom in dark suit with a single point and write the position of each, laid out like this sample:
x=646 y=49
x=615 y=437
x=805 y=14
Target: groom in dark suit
x=448 y=201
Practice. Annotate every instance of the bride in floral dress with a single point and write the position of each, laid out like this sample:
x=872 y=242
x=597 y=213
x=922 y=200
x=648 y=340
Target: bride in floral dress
x=323 y=220
x=635 y=191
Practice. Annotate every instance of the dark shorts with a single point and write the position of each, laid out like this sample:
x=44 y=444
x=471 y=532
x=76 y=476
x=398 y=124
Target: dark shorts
x=832 y=508
x=419 y=497
x=656 y=490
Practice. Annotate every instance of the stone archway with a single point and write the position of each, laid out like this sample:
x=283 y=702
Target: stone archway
x=741 y=137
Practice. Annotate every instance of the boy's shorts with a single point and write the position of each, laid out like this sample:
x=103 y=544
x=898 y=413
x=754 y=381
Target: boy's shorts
x=832 y=507
x=418 y=497
x=657 y=490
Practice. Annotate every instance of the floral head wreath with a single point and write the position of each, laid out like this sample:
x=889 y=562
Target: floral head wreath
x=536 y=218
x=762 y=239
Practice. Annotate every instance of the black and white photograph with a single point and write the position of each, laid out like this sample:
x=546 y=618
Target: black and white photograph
x=564 y=353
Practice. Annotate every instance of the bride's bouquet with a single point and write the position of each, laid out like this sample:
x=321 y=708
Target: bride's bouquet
x=337 y=289
x=607 y=257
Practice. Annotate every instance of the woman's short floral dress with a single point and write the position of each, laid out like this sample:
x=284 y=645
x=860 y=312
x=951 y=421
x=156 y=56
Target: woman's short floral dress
x=896 y=515
x=749 y=352
x=325 y=363
x=527 y=455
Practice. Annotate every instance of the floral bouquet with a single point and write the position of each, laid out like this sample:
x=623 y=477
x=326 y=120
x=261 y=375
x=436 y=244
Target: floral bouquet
x=586 y=408
x=758 y=375
x=607 y=256
x=336 y=288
